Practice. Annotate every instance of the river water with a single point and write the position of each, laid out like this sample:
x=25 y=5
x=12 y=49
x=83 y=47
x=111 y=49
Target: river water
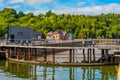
x=23 y=71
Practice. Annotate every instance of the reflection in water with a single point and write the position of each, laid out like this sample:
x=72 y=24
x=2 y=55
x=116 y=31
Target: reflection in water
x=13 y=70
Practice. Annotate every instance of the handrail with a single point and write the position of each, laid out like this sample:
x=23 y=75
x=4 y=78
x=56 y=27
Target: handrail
x=86 y=41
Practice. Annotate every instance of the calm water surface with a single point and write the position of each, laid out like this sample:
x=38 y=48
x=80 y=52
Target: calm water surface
x=23 y=71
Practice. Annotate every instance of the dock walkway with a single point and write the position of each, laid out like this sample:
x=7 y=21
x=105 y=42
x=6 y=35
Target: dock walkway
x=87 y=55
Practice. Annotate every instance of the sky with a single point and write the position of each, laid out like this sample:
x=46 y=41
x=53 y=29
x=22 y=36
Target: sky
x=77 y=7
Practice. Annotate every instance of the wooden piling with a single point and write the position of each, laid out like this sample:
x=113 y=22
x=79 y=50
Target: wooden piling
x=90 y=52
x=84 y=55
x=24 y=50
x=45 y=55
x=53 y=55
x=29 y=54
x=106 y=52
x=73 y=53
x=88 y=55
x=7 y=54
x=102 y=55
x=18 y=53
x=70 y=55
x=94 y=55
x=35 y=56
x=10 y=53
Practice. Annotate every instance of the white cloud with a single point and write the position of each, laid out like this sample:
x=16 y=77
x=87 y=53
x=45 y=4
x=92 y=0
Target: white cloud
x=37 y=1
x=93 y=10
x=1 y=2
x=15 y=1
x=29 y=2
x=16 y=6
x=81 y=3
x=36 y=12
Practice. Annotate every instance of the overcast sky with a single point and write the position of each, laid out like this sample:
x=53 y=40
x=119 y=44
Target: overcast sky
x=86 y=7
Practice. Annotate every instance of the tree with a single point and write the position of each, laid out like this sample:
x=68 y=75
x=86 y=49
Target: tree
x=83 y=26
x=49 y=13
x=20 y=14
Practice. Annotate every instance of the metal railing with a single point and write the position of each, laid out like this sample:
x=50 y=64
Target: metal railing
x=81 y=42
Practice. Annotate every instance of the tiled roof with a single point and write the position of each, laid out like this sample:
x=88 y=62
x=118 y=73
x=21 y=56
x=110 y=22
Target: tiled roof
x=49 y=33
x=56 y=32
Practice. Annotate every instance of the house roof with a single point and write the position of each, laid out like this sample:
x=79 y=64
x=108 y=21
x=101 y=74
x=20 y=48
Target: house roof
x=49 y=33
x=56 y=32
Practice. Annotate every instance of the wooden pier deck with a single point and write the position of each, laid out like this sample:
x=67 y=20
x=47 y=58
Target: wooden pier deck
x=31 y=51
x=117 y=47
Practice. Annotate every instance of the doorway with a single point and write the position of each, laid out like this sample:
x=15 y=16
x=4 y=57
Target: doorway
x=12 y=37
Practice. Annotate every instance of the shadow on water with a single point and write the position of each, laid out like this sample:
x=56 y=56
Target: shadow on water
x=13 y=70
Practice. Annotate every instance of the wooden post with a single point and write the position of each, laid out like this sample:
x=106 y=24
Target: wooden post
x=7 y=54
x=102 y=55
x=18 y=53
x=24 y=51
x=10 y=53
x=70 y=55
x=15 y=52
x=73 y=52
x=26 y=54
x=94 y=55
x=35 y=56
x=53 y=55
x=45 y=55
x=21 y=51
x=106 y=52
x=29 y=54
x=88 y=55
x=84 y=55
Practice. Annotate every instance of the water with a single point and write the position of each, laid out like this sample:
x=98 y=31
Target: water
x=24 y=71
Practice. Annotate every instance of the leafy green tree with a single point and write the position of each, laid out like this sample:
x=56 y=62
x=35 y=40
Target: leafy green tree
x=20 y=14
x=82 y=26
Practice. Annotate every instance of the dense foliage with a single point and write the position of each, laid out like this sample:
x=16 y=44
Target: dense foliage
x=98 y=26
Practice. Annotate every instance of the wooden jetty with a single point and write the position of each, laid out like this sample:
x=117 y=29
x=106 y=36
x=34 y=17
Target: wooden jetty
x=31 y=52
